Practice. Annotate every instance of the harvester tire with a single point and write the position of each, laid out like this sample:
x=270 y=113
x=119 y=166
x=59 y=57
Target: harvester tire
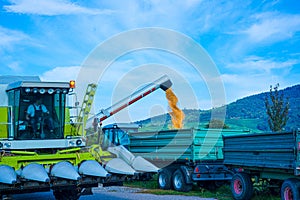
x=164 y=179
x=67 y=194
x=241 y=186
x=290 y=189
x=179 y=182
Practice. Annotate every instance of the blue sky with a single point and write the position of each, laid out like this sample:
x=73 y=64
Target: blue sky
x=254 y=44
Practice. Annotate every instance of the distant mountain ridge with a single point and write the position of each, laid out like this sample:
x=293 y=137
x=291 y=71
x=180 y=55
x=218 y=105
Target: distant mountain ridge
x=248 y=112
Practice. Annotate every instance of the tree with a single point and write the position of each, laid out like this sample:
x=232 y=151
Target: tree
x=277 y=109
x=216 y=123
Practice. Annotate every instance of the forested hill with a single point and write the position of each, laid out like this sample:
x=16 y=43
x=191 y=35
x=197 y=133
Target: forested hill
x=248 y=112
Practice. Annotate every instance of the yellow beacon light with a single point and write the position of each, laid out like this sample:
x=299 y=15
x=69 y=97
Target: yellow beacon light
x=72 y=84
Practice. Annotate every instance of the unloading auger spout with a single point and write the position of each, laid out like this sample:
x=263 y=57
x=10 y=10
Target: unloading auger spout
x=163 y=83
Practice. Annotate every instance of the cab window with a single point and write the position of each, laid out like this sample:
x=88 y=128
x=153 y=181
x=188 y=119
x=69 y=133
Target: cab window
x=123 y=138
x=54 y=103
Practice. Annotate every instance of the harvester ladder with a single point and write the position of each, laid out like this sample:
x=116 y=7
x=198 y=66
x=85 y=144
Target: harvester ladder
x=86 y=106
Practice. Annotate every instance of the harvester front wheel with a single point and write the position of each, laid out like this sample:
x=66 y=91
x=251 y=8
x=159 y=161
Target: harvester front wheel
x=67 y=194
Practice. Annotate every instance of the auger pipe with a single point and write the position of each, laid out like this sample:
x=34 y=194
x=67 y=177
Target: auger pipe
x=163 y=83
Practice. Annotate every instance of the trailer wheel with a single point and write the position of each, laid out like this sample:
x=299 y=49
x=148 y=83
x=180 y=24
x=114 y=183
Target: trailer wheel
x=67 y=194
x=164 y=179
x=179 y=182
x=290 y=189
x=241 y=186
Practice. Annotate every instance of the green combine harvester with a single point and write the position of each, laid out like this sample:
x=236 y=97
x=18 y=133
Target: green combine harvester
x=56 y=156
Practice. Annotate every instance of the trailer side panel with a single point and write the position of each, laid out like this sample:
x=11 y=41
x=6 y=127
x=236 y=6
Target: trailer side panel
x=183 y=145
x=267 y=150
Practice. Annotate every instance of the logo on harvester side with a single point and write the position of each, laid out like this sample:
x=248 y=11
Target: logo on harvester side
x=154 y=40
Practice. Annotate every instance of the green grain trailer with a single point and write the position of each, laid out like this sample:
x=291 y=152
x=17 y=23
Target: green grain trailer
x=271 y=158
x=184 y=156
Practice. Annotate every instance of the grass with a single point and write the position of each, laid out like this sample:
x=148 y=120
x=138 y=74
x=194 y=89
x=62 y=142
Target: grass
x=223 y=193
x=151 y=186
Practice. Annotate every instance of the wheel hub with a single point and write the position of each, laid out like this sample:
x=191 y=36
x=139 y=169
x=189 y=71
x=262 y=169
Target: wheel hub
x=162 y=180
x=238 y=187
x=178 y=181
x=288 y=195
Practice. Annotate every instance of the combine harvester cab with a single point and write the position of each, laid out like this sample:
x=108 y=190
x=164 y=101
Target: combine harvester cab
x=52 y=153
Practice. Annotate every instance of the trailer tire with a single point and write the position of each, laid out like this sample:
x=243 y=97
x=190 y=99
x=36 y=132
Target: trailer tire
x=290 y=189
x=241 y=186
x=164 y=179
x=179 y=182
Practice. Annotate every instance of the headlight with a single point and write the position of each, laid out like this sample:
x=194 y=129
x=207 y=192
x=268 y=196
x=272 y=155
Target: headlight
x=7 y=145
x=42 y=91
x=78 y=142
x=50 y=91
x=71 y=143
x=35 y=90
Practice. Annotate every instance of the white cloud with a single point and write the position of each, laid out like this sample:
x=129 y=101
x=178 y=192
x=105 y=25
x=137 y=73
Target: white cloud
x=255 y=74
x=273 y=27
x=9 y=37
x=242 y=85
x=15 y=67
x=50 y=8
x=256 y=64
x=61 y=74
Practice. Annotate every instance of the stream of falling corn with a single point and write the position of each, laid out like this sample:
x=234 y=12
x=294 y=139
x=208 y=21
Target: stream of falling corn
x=177 y=115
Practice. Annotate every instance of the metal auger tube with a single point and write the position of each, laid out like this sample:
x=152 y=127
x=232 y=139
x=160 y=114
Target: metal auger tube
x=163 y=83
